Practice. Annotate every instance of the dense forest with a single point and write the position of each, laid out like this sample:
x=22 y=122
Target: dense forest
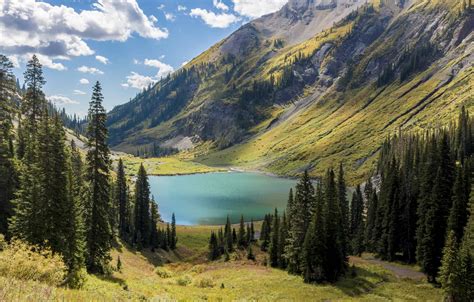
x=92 y=205
x=416 y=208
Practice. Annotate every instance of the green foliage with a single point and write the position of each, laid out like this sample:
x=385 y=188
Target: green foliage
x=28 y=262
x=98 y=213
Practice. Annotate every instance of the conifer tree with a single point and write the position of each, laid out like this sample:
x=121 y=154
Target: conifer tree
x=229 y=246
x=142 y=209
x=459 y=210
x=336 y=261
x=154 y=237
x=274 y=249
x=241 y=242
x=357 y=222
x=448 y=274
x=282 y=236
x=250 y=254
x=121 y=196
x=174 y=238
x=213 y=248
x=252 y=231
x=344 y=206
x=99 y=230
x=8 y=173
x=34 y=100
x=315 y=252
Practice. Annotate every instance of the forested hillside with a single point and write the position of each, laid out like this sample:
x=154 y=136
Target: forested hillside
x=343 y=86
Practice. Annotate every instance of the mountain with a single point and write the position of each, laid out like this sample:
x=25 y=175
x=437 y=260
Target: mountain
x=311 y=85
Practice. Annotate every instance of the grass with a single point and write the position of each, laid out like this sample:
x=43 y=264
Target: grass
x=172 y=165
x=189 y=277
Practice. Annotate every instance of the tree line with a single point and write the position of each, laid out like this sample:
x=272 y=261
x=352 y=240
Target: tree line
x=52 y=196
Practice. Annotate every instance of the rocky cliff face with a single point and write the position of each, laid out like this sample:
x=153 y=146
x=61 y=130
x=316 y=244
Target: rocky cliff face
x=318 y=81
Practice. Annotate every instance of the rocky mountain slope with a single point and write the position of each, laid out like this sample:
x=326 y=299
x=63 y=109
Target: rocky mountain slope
x=316 y=83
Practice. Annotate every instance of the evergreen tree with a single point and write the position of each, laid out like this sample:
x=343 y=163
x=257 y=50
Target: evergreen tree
x=274 y=249
x=252 y=231
x=357 y=222
x=121 y=196
x=174 y=238
x=142 y=209
x=336 y=261
x=344 y=206
x=459 y=211
x=250 y=254
x=34 y=101
x=8 y=173
x=448 y=274
x=315 y=251
x=99 y=231
x=213 y=248
x=241 y=242
x=282 y=236
x=229 y=245
x=370 y=239
x=154 y=237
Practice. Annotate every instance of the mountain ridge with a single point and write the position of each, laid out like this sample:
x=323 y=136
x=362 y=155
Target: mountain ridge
x=269 y=87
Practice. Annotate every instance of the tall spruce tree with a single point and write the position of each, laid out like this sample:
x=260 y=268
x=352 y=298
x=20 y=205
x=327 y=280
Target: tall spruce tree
x=282 y=236
x=315 y=251
x=274 y=249
x=336 y=260
x=99 y=230
x=241 y=239
x=121 y=196
x=344 y=206
x=357 y=223
x=142 y=210
x=8 y=173
x=174 y=238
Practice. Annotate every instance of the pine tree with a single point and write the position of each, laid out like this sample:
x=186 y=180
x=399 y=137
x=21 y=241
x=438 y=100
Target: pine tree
x=99 y=231
x=357 y=222
x=336 y=261
x=34 y=101
x=315 y=250
x=302 y=210
x=459 y=211
x=121 y=202
x=282 y=236
x=344 y=206
x=250 y=254
x=154 y=217
x=229 y=245
x=8 y=173
x=448 y=273
x=213 y=248
x=174 y=238
x=274 y=249
x=241 y=242
x=252 y=231
x=142 y=209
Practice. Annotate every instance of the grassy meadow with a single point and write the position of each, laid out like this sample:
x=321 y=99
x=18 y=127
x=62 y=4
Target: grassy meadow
x=186 y=275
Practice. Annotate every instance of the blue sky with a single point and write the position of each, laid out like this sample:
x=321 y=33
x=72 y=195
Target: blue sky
x=125 y=44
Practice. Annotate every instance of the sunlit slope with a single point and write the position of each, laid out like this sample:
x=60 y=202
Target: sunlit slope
x=385 y=67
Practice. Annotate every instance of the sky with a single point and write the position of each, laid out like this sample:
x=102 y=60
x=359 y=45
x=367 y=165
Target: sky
x=124 y=44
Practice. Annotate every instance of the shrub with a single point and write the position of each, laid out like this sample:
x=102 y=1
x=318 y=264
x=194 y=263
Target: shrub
x=184 y=280
x=205 y=283
x=26 y=262
x=163 y=273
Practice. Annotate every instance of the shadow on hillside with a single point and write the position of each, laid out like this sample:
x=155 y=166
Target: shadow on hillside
x=360 y=285
x=114 y=279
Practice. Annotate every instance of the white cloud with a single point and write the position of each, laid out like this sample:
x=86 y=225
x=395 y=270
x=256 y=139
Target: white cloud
x=91 y=70
x=170 y=17
x=153 y=19
x=136 y=61
x=78 y=92
x=102 y=60
x=48 y=62
x=60 y=32
x=62 y=100
x=161 y=7
x=212 y=19
x=84 y=81
x=163 y=69
x=257 y=8
x=138 y=81
x=184 y=63
x=182 y=8
x=220 y=5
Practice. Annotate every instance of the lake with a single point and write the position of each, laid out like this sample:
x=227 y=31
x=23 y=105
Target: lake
x=207 y=199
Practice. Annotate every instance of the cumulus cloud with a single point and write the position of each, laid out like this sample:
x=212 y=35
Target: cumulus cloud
x=78 y=92
x=163 y=69
x=84 y=81
x=138 y=81
x=170 y=17
x=47 y=62
x=59 y=32
x=184 y=63
x=91 y=70
x=102 y=60
x=182 y=8
x=212 y=19
x=220 y=5
x=61 y=100
x=255 y=9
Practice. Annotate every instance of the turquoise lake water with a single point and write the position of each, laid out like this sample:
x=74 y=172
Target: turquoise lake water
x=207 y=199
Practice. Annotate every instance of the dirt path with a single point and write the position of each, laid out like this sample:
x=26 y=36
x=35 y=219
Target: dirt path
x=400 y=271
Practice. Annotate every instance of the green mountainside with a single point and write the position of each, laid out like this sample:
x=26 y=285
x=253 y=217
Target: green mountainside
x=317 y=83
